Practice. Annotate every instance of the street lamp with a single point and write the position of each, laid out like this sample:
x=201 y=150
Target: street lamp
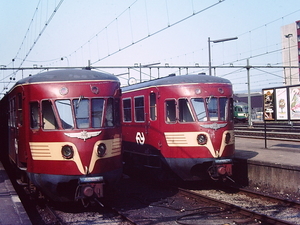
x=65 y=57
x=216 y=41
x=289 y=37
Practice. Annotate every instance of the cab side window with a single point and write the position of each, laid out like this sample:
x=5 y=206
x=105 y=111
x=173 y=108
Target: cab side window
x=170 y=111
x=109 y=116
x=34 y=115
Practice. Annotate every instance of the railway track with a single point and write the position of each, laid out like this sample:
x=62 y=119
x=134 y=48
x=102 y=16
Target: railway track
x=260 y=207
x=278 y=131
x=75 y=214
x=148 y=202
x=44 y=212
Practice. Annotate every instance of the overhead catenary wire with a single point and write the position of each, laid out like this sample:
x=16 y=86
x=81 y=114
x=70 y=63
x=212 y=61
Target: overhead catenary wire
x=158 y=31
x=41 y=32
x=253 y=52
x=12 y=75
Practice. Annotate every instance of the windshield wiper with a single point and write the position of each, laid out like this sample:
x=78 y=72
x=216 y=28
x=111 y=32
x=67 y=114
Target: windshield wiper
x=79 y=100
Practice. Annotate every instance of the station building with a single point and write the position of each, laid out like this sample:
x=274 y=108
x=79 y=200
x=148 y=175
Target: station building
x=290 y=35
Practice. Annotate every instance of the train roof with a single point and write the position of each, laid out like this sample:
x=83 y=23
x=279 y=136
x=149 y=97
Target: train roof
x=67 y=75
x=182 y=79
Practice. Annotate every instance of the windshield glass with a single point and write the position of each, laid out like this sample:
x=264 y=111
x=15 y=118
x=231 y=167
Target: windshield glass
x=87 y=113
x=211 y=108
x=199 y=107
x=65 y=113
x=185 y=114
x=97 y=112
x=81 y=108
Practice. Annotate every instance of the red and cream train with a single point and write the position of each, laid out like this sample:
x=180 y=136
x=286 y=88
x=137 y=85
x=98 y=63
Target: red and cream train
x=183 y=124
x=64 y=132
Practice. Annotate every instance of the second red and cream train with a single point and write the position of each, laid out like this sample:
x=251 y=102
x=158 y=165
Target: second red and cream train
x=183 y=124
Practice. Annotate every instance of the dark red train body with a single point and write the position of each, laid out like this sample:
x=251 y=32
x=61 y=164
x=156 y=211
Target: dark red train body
x=65 y=133
x=179 y=123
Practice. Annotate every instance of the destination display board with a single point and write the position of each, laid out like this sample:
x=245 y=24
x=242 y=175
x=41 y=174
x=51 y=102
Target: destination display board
x=281 y=103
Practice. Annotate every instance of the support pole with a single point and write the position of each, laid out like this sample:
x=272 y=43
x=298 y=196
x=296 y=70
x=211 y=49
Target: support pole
x=209 y=58
x=265 y=133
x=249 y=96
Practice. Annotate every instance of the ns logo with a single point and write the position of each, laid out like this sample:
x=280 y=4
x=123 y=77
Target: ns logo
x=140 y=138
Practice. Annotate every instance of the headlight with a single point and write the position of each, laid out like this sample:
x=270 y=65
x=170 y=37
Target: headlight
x=101 y=150
x=67 y=151
x=227 y=138
x=201 y=139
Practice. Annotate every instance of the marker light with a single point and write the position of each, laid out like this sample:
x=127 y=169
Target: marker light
x=198 y=91
x=64 y=91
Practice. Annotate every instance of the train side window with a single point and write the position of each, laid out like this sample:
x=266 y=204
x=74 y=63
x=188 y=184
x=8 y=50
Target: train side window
x=170 y=111
x=34 y=115
x=127 y=110
x=212 y=107
x=109 y=113
x=185 y=114
x=97 y=112
x=48 y=117
x=20 y=109
x=65 y=113
x=81 y=107
x=199 y=107
x=153 y=110
x=223 y=108
x=139 y=109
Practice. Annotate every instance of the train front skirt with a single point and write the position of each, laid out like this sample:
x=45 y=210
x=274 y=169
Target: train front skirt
x=190 y=169
x=69 y=188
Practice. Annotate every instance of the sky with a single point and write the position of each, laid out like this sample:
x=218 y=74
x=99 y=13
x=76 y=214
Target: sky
x=143 y=32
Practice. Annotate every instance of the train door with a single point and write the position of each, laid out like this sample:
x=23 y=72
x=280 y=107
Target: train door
x=154 y=133
x=12 y=130
x=21 y=132
x=140 y=119
x=145 y=114
x=155 y=125
x=153 y=122
x=16 y=130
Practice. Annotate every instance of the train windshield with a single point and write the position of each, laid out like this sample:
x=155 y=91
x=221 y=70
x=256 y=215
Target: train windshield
x=199 y=107
x=211 y=108
x=81 y=108
x=88 y=113
x=65 y=113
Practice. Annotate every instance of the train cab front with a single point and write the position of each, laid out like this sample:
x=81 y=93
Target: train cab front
x=89 y=188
